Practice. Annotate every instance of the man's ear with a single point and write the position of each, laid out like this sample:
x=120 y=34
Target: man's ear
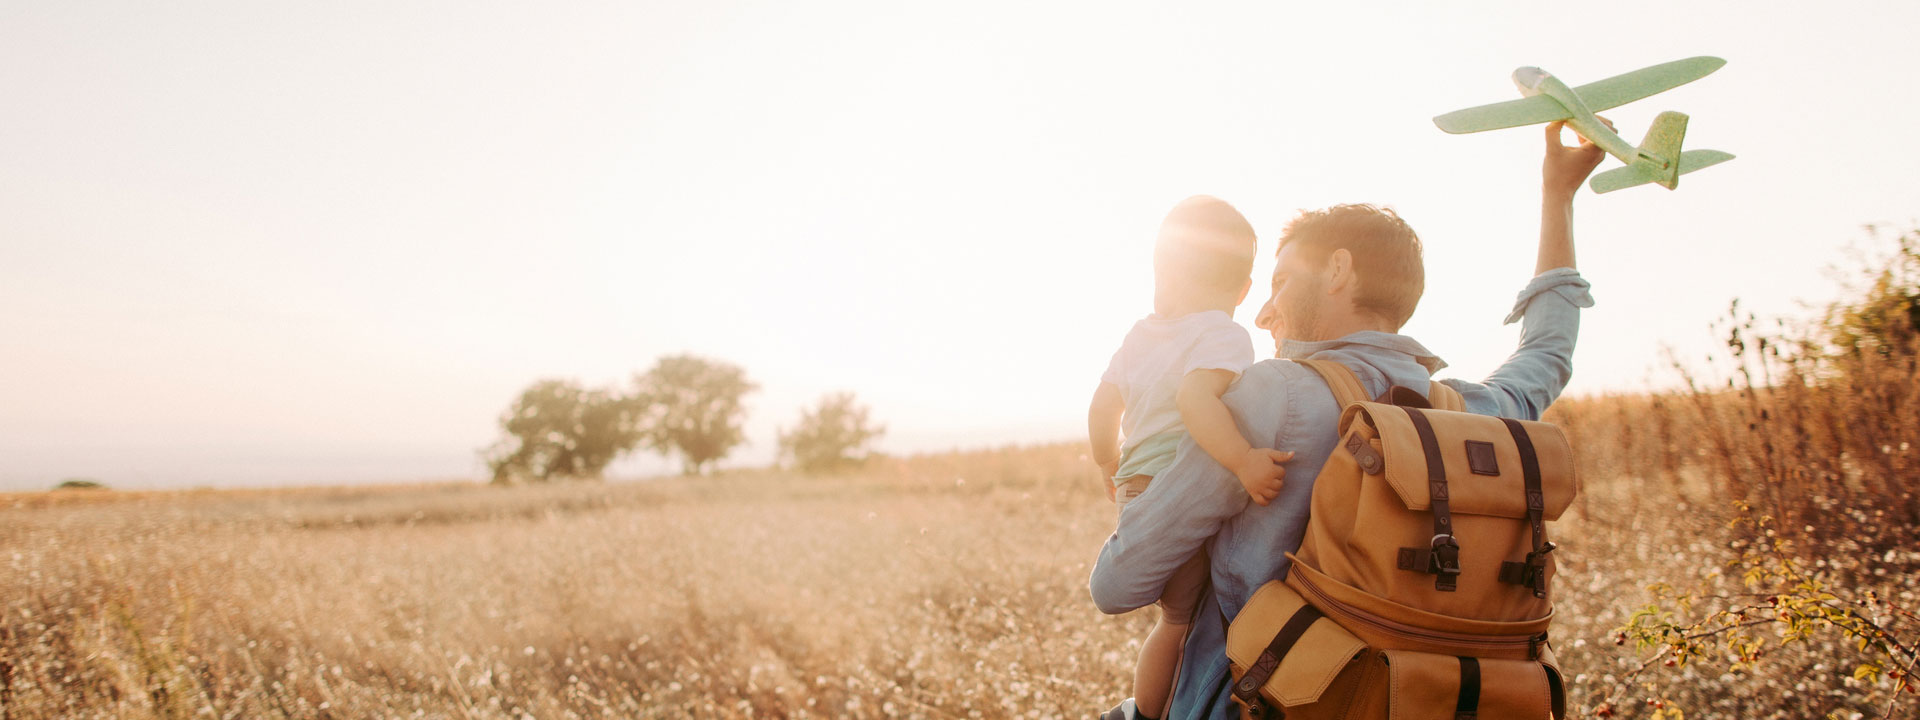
x=1339 y=271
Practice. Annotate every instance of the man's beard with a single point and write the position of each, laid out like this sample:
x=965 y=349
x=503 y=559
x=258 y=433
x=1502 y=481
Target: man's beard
x=1303 y=318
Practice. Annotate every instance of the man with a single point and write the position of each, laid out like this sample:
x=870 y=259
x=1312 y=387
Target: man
x=1347 y=278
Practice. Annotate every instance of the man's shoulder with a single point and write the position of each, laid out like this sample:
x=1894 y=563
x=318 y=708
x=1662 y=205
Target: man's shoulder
x=1278 y=372
x=1271 y=389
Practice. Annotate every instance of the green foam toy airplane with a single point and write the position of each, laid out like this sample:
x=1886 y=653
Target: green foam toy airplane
x=1658 y=159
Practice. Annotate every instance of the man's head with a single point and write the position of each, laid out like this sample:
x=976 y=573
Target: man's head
x=1203 y=257
x=1341 y=270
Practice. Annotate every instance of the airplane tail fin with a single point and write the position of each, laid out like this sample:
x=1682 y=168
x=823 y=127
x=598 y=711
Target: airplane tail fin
x=1661 y=148
x=1660 y=159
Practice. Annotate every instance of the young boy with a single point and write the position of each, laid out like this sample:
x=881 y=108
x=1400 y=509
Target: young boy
x=1165 y=382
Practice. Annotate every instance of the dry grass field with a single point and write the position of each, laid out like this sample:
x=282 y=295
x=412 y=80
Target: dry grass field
x=935 y=586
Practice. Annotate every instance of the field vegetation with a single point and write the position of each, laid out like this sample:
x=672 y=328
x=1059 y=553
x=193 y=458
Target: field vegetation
x=936 y=586
x=1744 y=547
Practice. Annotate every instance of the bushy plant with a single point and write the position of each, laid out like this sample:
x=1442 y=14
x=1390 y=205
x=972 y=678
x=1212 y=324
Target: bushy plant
x=832 y=436
x=1812 y=435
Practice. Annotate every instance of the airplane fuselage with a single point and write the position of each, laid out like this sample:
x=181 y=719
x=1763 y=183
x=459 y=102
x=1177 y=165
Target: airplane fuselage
x=1534 y=81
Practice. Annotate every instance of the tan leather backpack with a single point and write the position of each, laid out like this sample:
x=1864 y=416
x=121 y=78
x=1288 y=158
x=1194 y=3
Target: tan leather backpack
x=1421 y=589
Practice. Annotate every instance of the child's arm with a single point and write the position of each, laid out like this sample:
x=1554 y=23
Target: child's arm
x=1211 y=425
x=1103 y=429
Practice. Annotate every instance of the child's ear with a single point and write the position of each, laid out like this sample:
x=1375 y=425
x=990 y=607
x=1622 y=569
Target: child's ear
x=1244 y=288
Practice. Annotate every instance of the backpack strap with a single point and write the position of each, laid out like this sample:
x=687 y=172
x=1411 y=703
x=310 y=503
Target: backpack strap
x=1467 y=705
x=1247 y=690
x=1443 y=555
x=1531 y=574
x=1346 y=387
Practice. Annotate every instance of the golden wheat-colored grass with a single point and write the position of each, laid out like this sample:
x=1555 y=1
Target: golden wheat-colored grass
x=914 y=590
x=937 y=586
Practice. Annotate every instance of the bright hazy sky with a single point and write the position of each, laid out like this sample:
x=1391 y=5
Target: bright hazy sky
x=269 y=243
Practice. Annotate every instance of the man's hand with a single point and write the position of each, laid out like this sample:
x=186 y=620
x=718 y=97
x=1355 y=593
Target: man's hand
x=1566 y=167
x=1261 y=474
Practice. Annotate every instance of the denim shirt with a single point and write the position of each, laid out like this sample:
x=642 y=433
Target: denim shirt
x=1196 y=503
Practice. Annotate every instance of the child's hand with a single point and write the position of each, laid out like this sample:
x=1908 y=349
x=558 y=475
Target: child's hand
x=1107 y=471
x=1261 y=474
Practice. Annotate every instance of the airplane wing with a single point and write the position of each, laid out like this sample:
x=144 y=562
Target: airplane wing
x=1512 y=113
x=1622 y=89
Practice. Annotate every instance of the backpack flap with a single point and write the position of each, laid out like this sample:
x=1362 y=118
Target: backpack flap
x=1480 y=452
x=1281 y=648
x=1424 y=686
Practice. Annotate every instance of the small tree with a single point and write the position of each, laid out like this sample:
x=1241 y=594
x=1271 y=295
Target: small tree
x=1882 y=314
x=692 y=407
x=831 y=437
x=557 y=429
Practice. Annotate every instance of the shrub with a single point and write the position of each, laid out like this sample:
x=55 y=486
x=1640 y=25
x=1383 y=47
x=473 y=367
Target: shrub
x=830 y=437
x=1812 y=436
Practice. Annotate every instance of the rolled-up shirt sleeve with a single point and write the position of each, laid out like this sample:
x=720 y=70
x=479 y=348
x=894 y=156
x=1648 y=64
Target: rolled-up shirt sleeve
x=1548 y=310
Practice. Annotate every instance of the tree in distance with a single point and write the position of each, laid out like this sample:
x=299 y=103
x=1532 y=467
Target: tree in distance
x=692 y=407
x=557 y=429
x=831 y=437
x=1883 y=316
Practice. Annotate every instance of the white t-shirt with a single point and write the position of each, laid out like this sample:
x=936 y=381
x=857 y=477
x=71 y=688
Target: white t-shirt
x=1157 y=354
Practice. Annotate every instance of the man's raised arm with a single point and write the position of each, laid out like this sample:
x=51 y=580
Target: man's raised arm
x=1561 y=174
x=1549 y=307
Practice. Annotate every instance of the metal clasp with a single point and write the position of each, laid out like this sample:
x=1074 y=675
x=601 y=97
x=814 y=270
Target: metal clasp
x=1444 y=558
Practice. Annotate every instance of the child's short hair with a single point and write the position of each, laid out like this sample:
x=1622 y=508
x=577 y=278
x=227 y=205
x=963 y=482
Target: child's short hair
x=1206 y=246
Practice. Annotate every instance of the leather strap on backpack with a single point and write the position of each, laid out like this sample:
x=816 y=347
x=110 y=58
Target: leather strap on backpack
x=1443 y=553
x=1533 y=572
x=1247 y=689
x=1468 y=705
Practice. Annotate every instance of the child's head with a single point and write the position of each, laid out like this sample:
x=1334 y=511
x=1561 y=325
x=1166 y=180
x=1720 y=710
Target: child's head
x=1203 y=258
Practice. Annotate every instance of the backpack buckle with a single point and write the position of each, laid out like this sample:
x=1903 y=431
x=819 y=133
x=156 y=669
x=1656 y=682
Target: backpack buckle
x=1256 y=707
x=1444 y=557
x=1530 y=573
x=1441 y=560
x=1535 y=574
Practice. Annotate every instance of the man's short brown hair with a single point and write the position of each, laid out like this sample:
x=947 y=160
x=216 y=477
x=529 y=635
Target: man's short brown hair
x=1385 y=250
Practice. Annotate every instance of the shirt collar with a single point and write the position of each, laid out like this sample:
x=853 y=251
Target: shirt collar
x=1301 y=350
